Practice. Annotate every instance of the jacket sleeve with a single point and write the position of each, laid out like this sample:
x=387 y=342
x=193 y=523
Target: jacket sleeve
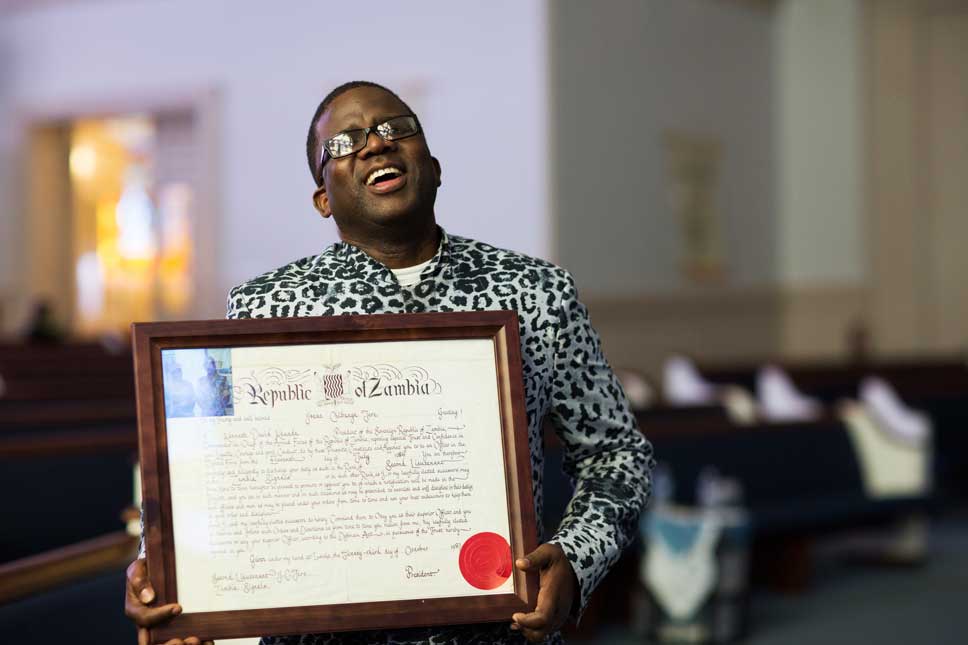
x=235 y=306
x=604 y=452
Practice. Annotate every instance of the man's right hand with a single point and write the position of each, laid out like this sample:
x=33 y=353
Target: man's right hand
x=137 y=606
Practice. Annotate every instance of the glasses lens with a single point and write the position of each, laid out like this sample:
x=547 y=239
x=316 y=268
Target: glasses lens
x=344 y=143
x=397 y=128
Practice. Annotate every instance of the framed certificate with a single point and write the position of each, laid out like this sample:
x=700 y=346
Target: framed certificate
x=337 y=473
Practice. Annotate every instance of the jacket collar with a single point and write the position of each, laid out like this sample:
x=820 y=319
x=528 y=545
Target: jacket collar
x=355 y=263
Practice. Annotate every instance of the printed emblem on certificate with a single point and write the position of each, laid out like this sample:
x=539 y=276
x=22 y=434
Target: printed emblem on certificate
x=324 y=474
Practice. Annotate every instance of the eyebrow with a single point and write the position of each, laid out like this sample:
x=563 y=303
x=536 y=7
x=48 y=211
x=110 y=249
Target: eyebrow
x=377 y=121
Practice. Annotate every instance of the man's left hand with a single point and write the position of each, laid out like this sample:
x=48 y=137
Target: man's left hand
x=557 y=588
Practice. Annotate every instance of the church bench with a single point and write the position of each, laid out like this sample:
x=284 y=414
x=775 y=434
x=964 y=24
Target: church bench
x=48 y=570
x=796 y=476
x=64 y=413
x=936 y=386
x=58 y=387
x=61 y=486
x=28 y=364
x=69 y=595
x=913 y=379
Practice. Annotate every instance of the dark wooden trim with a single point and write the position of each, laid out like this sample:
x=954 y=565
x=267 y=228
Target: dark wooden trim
x=38 y=573
x=501 y=327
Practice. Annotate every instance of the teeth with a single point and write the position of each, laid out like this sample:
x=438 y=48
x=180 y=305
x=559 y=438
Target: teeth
x=376 y=174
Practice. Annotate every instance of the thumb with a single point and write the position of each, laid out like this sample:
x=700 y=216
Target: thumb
x=540 y=558
x=138 y=580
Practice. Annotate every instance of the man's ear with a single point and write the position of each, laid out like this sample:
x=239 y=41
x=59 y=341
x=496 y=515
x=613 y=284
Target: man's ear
x=321 y=201
x=436 y=169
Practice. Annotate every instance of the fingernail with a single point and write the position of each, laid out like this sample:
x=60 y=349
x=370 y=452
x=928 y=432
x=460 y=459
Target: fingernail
x=147 y=596
x=176 y=610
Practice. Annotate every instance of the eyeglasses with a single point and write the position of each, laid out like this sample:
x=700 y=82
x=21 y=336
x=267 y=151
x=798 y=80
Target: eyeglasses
x=349 y=141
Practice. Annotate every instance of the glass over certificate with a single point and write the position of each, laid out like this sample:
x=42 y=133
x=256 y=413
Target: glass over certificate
x=334 y=473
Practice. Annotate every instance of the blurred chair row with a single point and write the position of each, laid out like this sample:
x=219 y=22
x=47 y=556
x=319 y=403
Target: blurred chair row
x=799 y=452
x=68 y=446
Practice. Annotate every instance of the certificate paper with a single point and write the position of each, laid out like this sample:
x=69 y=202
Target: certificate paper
x=306 y=475
x=337 y=473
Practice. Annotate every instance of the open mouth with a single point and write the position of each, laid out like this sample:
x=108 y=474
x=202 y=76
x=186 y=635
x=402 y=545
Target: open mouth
x=384 y=178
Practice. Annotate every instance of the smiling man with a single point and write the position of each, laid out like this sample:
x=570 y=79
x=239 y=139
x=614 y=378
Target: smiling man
x=376 y=178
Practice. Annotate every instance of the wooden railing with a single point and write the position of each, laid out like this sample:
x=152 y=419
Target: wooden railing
x=39 y=573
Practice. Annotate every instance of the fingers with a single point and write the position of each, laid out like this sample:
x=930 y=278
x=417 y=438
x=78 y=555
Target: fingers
x=151 y=616
x=191 y=640
x=541 y=558
x=555 y=593
x=535 y=626
x=534 y=621
x=535 y=635
x=138 y=595
x=138 y=581
x=145 y=616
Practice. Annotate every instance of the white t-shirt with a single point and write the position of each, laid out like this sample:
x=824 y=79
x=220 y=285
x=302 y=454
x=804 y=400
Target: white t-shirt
x=409 y=276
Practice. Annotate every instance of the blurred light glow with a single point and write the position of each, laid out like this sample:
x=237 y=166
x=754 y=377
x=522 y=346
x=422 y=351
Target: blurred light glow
x=132 y=235
x=90 y=286
x=137 y=239
x=136 y=133
x=83 y=161
x=174 y=266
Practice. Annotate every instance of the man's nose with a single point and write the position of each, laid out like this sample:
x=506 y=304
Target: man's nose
x=375 y=144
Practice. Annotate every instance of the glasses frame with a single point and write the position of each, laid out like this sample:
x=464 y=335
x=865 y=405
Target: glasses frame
x=326 y=155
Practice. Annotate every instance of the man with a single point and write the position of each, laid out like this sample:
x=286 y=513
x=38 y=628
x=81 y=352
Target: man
x=376 y=178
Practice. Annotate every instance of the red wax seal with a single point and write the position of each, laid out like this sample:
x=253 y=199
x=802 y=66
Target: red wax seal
x=485 y=560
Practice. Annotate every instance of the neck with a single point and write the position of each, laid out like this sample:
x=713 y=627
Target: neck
x=398 y=249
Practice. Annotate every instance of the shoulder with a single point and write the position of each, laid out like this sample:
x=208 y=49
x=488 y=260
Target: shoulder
x=502 y=265
x=278 y=292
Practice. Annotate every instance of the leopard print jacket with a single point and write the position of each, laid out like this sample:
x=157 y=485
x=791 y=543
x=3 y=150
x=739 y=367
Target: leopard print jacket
x=566 y=379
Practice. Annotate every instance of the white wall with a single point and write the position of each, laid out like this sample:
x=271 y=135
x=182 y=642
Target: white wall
x=271 y=63
x=622 y=74
x=818 y=138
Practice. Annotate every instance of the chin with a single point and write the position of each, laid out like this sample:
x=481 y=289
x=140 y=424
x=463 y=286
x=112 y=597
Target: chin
x=392 y=209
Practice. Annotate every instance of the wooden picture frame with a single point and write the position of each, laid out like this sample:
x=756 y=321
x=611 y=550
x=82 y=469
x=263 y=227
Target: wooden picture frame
x=344 y=334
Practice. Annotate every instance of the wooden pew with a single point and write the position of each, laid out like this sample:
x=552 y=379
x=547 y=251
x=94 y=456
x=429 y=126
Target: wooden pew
x=62 y=486
x=915 y=380
x=58 y=388
x=68 y=442
x=937 y=386
x=72 y=594
x=45 y=571
x=64 y=372
x=65 y=414
x=797 y=476
x=800 y=480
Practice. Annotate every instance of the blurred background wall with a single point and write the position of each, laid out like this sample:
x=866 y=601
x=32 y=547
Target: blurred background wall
x=724 y=177
x=252 y=78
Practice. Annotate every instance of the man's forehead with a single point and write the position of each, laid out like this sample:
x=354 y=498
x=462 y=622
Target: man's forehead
x=355 y=108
